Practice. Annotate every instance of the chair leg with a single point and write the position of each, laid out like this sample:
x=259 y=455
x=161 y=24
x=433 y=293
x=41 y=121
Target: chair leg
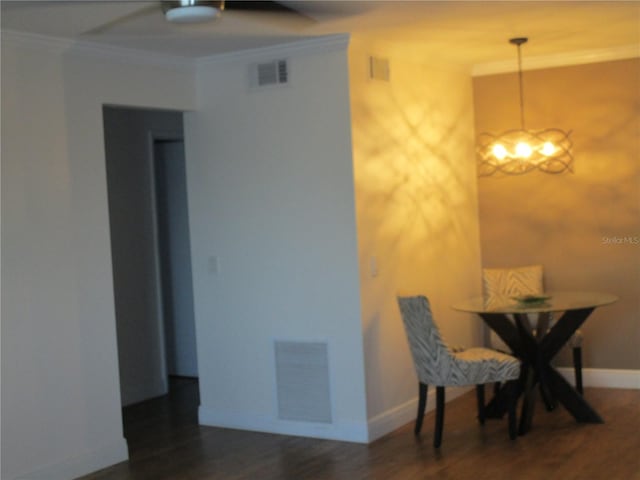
x=422 y=404
x=437 y=436
x=480 y=396
x=577 y=368
x=512 y=397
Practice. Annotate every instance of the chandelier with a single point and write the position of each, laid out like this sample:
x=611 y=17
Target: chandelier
x=519 y=151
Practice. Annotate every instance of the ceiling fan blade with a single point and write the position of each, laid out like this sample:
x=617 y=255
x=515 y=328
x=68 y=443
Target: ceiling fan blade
x=262 y=6
x=105 y=27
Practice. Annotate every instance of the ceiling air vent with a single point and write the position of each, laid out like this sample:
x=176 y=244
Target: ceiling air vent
x=275 y=72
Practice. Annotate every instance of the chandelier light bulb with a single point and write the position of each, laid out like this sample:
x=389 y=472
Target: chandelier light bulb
x=523 y=150
x=499 y=151
x=548 y=149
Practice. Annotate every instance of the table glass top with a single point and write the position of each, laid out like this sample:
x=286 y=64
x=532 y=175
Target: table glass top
x=553 y=302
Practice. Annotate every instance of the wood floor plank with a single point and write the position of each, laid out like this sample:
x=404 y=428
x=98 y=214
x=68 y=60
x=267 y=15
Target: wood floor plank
x=166 y=443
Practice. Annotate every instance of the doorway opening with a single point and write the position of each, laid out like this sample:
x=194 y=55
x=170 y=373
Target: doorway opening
x=150 y=249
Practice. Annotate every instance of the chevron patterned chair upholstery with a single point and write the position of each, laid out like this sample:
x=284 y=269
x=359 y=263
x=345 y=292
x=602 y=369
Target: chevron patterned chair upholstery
x=500 y=284
x=437 y=365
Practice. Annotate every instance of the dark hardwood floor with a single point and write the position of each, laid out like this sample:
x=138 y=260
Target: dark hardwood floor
x=165 y=442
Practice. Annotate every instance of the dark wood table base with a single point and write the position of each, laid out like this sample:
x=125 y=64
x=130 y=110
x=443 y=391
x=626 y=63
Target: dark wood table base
x=536 y=349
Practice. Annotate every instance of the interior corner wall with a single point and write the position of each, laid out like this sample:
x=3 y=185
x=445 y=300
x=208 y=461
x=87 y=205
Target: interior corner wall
x=583 y=227
x=273 y=237
x=417 y=220
x=61 y=414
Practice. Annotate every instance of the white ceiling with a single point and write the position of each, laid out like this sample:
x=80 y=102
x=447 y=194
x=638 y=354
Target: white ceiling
x=461 y=32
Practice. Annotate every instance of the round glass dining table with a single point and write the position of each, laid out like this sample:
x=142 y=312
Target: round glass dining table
x=536 y=345
x=549 y=302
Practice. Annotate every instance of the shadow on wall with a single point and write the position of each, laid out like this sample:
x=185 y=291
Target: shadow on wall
x=416 y=204
x=411 y=184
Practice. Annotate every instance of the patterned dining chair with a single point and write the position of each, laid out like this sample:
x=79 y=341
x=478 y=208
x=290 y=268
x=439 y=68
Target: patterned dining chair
x=437 y=365
x=501 y=284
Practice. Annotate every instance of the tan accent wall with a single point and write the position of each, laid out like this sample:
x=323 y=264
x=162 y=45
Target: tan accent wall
x=416 y=207
x=584 y=227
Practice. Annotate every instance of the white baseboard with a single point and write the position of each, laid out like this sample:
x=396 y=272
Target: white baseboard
x=343 y=431
x=376 y=427
x=398 y=416
x=604 y=377
x=395 y=417
x=79 y=465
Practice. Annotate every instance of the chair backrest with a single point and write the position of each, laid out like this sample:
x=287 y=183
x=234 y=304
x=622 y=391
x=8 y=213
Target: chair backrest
x=500 y=284
x=431 y=356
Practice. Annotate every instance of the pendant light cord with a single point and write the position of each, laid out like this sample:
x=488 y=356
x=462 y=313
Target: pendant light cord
x=518 y=42
x=521 y=91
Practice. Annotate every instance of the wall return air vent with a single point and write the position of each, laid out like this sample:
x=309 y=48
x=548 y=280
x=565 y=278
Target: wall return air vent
x=302 y=381
x=267 y=74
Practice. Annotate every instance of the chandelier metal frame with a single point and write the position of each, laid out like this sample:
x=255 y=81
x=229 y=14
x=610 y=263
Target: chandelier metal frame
x=519 y=151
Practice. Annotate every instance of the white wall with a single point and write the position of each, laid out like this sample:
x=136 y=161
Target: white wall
x=271 y=196
x=61 y=413
x=416 y=199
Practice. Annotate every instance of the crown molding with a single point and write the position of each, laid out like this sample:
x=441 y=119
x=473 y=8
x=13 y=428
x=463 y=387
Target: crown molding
x=560 y=60
x=53 y=45
x=56 y=45
x=59 y=46
x=320 y=44
x=133 y=57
